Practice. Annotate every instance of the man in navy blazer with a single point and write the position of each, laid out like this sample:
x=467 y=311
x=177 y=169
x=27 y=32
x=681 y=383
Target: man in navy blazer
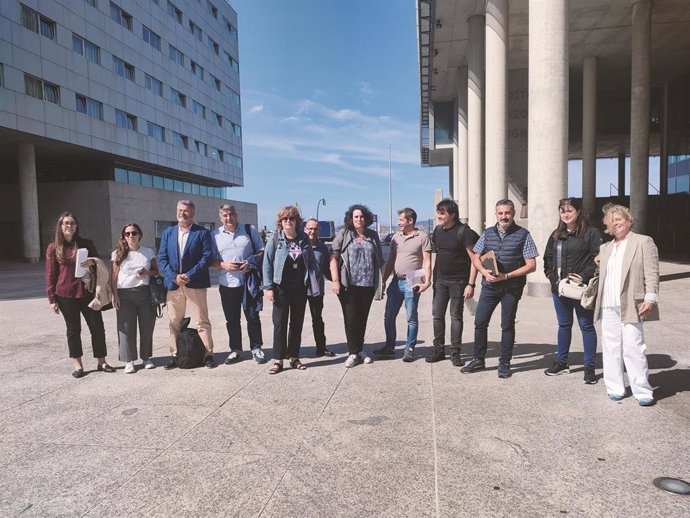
x=185 y=254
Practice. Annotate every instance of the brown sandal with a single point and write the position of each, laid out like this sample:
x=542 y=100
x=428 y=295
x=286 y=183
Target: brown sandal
x=296 y=364
x=276 y=368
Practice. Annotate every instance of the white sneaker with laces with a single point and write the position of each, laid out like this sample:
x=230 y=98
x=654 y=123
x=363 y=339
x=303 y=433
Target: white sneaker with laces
x=258 y=355
x=129 y=368
x=148 y=364
x=351 y=361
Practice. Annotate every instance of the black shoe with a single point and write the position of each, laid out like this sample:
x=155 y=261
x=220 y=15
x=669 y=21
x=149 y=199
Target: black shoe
x=557 y=368
x=457 y=360
x=503 y=370
x=172 y=364
x=78 y=373
x=104 y=367
x=474 y=366
x=590 y=376
x=385 y=351
x=408 y=357
x=436 y=356
x=325 y=352
x=210 y=362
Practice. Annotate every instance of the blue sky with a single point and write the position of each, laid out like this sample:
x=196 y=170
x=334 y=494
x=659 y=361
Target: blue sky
x=325 y=85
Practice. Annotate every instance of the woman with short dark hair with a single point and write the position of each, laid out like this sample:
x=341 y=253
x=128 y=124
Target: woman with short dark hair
x=289 y=264
x=132 y=267
x=68 y=294
x=356 y=264
x=571 y=248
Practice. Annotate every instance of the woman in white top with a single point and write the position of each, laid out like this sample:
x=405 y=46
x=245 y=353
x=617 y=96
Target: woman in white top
x=133 y=265
x=628 y=295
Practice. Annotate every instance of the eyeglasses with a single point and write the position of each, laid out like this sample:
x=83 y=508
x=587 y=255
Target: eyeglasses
x=133 y=233
x=289 y=218
x=69 y=223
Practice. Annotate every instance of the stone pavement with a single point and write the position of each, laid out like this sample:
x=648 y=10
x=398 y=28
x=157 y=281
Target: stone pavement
x=387 y=439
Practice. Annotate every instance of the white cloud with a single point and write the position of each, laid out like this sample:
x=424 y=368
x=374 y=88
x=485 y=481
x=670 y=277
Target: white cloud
x=256 y=108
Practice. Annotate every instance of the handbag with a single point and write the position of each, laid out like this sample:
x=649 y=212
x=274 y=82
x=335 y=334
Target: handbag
x=589 y=296
x=572 y=287
x=158 y=293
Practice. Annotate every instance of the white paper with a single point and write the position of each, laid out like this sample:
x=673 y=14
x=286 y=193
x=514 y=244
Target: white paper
x=82 y=255
x=414 y=277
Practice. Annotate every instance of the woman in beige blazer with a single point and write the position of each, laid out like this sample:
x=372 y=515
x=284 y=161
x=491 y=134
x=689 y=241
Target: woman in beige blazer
x=628 y=295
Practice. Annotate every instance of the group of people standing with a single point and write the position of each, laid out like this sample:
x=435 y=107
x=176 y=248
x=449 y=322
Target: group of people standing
x=289 y=270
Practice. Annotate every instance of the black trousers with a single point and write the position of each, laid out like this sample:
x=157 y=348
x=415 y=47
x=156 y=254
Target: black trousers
x=231 y=299
x=316 y=310
x=289 y=305
x=445 y=291
x=356 y=303
x=71 y=310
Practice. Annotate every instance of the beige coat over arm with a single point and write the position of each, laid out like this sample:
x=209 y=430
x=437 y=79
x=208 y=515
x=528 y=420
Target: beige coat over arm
x=640 y=276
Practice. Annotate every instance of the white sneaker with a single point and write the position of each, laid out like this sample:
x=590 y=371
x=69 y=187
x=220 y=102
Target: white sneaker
x=232 y=357
x=258 y=355
x=367 y=359
x=148 y=364
x=352 y=360
x=129 y=368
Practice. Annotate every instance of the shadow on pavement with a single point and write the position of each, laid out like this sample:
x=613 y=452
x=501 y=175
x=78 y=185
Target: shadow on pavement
x=669 y=383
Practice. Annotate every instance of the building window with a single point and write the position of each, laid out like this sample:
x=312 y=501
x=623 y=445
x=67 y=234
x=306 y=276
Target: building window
x=122 y=68
x=90 y=107
x=37 y=23
x=197 y=70
x=221 y=156
x=125 y=120
x=40 y=89
x=235 y=160
x=200 y=147
x=179 y=140
x=231 y=29
x=232 y=95
x=212 y=9
x=154 y=85
x=236 y=129
x=174 y=12
x=151 y=38
x=120 y=16
x=213 y=46
x=155 y=131
x=212 y=153
x=92 y=3
x=216 y=82
x=198 y=108
x=178 y=98
x=195 y=30
x=2 y=75
x=175 y=55
x=219 y=119
x=86 y=48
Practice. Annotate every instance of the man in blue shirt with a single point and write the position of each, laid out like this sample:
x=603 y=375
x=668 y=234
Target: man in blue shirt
x=515 y=254
x=185 y=254
x=239 y=255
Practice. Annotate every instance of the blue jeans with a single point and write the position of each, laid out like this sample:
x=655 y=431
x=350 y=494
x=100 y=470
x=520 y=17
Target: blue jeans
x=490 y=297
x=397 y=293
x=585 y=317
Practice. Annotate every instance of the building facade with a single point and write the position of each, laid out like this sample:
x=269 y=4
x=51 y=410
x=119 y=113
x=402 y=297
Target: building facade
x=114 y=110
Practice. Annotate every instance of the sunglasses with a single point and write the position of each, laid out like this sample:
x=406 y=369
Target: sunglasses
x=289 y=218
x=134 y=233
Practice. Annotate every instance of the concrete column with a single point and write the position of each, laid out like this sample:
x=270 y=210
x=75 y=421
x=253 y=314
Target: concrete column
x=496 y=118
x=461 y=177
x=589 y=135
x=547 y=148
x=28 y=191
x=621 y=174
x=475 y=122
x=639 y=111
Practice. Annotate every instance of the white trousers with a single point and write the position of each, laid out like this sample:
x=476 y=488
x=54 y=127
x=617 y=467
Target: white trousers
x=623 y=344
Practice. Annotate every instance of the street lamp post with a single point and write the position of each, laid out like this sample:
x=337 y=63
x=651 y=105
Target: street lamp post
x=322 y=200
x=390 y=187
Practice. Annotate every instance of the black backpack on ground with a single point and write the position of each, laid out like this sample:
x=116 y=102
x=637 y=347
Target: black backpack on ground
x=190 y=348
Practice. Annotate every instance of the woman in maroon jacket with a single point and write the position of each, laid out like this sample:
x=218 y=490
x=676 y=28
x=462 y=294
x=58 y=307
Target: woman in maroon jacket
x=67 y=294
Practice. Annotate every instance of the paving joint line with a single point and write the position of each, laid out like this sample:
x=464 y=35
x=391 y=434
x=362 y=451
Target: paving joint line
x=433 y=429
x=299 y=448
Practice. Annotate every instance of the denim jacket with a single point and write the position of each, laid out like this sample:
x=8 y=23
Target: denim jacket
x=276 y=254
